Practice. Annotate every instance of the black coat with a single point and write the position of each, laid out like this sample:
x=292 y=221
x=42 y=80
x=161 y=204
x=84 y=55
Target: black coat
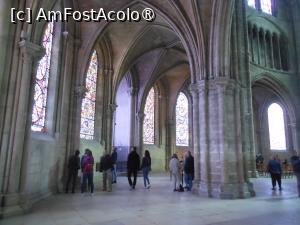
x=189 y=165
x=133 y=161
x=74 y=163
x=106 y=163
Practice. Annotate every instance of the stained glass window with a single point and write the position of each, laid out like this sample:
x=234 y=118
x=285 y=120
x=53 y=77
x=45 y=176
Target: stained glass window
x=41 y=82
x=276 y=127
x=148 y=136
x=89 y=101
x=252 y=3
x=266 y=6
x=182 y=120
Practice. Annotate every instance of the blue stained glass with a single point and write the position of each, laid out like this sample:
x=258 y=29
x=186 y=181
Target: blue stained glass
x=41 y=83
x=148 y=129
x=182 y=120
x=88 y=106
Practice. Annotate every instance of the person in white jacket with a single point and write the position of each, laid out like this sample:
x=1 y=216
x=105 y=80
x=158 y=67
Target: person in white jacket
x=174 y=167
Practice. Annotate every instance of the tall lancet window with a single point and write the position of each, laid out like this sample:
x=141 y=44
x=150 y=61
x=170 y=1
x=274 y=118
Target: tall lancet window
x=39 y=109
x=276 y=127
x=251 y=3
x=89 y=101
x=148 y=129
x=182 y=120
x=266 y=6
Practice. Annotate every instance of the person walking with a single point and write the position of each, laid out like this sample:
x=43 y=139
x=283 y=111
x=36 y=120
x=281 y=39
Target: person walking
x=174 y=167
x=274 y=168
x=295 y=161
x=146 y=168
x=133 y=165
x=114 y=157
x=88 y=175
x=73 y=167
x=188 y=170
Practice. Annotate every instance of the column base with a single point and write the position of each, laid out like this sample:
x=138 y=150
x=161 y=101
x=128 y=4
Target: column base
x=10 y=205
x=253 y=174
x=236 y=190
x=224 y=191
x=18 y=204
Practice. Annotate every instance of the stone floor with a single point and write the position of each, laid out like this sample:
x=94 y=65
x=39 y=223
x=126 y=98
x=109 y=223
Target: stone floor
x=161 y=206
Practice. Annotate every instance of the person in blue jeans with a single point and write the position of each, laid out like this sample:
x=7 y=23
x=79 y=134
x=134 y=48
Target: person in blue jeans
x=114 y=157
x=146 y=168
x=188 y=170
x=88 y=169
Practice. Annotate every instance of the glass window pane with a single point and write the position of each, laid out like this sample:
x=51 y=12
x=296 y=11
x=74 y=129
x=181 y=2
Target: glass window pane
x=251 y=3
x=276 y=127
x=182 y=120
x=89 y=102
x=148 y=129
x=266 y=6
x=41 y=83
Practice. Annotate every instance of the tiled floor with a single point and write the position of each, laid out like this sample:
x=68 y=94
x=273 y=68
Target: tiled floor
x=161 y=206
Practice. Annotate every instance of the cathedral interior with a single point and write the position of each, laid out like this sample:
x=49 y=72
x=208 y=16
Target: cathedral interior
x=219 y=78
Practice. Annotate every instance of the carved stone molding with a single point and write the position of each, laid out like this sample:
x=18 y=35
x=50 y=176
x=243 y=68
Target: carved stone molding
x=80 y=91
x=140 y=116
x=31 y=50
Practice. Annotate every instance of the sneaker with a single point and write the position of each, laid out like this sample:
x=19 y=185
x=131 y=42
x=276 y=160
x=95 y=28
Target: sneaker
x=149 y=186
x=280 y=189
x=175 y=190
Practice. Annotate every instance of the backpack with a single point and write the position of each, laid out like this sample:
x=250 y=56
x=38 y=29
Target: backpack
x=181 y=189
x=88 y=168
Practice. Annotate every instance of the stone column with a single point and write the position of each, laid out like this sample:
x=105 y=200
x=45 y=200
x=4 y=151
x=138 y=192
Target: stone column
x=265 y=48
x=110 y=121
x=194 y=89
x=272 y=51
x=20 y=128
x=294 y=138
x=258 y=47
x=170 y=141
x=250 y=37
x=140 y=141
x=133 y=94
x=225 y=133
x=279 y=52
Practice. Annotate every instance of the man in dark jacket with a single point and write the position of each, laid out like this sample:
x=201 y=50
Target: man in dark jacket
x=295 y=161
x=274 y=168
x=106 y=166
x=73 y=167
x=189 y=170
x=133 y=165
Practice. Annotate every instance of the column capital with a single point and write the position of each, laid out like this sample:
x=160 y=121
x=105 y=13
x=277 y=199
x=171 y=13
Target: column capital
x=31 y=50
x=198 y=88
x=80 y=91
x=112 y=107
x=140 y=116
x=133 y=91
x=108 y=71
x=69 y=37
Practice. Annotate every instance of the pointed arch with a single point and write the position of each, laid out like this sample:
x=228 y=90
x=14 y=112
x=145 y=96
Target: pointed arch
x=88 y=106
x=149 y=118
x=182 y=120
x=41 y=82
x=276 y=123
